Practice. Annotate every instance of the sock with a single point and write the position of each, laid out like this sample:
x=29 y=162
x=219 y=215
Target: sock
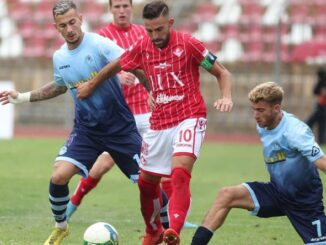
x=167 y=187
x=150 y=202
x=202 y=236
x=180 y=200
x=84 y=186
x=61 y=225
x=59 y=197
x=164 y=211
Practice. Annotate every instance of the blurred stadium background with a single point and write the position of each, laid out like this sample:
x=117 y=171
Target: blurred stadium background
x=257 y=40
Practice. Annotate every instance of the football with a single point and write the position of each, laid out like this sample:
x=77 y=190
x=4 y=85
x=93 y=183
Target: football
x=101 y=233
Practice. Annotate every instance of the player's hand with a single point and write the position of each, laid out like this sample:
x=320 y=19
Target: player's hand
x=84 y=90
x=223 y=104
x=151 y=101
x=127 y=78
x=7 y=97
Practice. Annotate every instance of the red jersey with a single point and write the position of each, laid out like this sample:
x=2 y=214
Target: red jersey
x=173 y=73
x=136 y=96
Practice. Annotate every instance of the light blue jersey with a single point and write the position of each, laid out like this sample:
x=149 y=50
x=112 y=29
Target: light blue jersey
x=289 y=151
x=105 y=111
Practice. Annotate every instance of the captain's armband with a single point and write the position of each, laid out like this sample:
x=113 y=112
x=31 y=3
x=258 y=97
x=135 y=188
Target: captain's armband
x=208 y=61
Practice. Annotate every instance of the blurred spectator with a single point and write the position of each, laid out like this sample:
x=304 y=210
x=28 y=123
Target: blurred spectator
x=319 y=114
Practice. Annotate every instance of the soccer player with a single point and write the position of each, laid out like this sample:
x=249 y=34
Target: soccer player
x=124 y=33
x=171 y=62
x=292 y=158
x=103 y=122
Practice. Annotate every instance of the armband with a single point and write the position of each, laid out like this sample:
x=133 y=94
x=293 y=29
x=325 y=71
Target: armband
x=208 y=61
x=21 y=97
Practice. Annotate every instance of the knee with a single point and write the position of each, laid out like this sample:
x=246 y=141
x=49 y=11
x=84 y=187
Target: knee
x=105 y=167
x=101 y=166
x=59 y=178
x=225 y=196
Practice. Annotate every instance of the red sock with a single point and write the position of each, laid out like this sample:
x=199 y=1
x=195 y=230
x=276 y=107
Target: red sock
x=151 y=202
x=180 y=200
x=167 y=187
x=84 y=186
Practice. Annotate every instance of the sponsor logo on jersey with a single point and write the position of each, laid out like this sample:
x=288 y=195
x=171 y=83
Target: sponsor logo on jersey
x=162 y=66
x=164 y=99
x=278 y=157
x=72 y=85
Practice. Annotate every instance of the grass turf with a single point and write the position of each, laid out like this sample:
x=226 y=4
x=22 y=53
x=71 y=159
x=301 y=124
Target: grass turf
x=25 y=216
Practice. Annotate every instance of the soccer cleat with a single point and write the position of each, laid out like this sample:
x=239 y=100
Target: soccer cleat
x=189 y=225
x=153 y=239
x=71 y=208
x=171 y=237
x=57 y=236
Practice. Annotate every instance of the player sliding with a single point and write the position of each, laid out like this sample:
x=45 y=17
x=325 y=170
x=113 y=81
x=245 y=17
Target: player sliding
x=292 y=158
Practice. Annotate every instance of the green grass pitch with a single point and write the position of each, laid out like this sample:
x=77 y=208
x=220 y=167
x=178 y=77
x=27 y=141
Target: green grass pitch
x=25 y=216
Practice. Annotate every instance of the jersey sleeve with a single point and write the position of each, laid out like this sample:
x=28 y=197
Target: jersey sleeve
x=198 y=49
x=109 y=49
x=130 y=60
x=301 y=138
x=56 y=74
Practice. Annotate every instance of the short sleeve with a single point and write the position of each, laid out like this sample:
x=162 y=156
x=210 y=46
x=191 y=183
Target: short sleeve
x=56 y=74
x=198 y=49
x=131 y=58
x=109 y=49
x=301 y=138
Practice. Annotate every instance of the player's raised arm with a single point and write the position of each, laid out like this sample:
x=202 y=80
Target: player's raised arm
x=224 y=78
x=48 y=91
x=86 y=89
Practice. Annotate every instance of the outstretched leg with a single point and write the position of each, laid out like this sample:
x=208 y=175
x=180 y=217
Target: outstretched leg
x=227 y=198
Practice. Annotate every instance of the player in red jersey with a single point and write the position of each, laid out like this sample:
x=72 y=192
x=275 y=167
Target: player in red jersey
x=171 y=63
x=124 y=33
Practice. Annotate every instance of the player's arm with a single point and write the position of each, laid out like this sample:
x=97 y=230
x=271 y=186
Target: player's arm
x=86 y=89
x=48 y=91
x=224 y=79
x=142 y=79
x=321 y=164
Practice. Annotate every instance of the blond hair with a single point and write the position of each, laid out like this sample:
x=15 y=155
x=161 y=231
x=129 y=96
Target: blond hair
x=269 y=92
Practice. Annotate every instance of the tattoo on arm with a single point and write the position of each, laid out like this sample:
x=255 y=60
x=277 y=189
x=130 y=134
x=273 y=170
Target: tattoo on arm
x=48 y=91
x=142 y=79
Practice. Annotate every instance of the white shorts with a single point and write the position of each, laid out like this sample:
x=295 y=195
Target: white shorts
x=159 y=146
x=142 y=122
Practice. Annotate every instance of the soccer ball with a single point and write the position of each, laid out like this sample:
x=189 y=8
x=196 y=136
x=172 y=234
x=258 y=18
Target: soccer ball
x=101 y=233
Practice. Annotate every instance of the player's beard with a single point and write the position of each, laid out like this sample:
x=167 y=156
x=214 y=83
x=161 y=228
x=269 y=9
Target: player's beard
x=164 y=41
x=75 y=42
x=271 y=121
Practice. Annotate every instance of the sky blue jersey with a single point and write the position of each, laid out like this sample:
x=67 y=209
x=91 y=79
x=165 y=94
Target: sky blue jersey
x=105 y=111
x=289 y=152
